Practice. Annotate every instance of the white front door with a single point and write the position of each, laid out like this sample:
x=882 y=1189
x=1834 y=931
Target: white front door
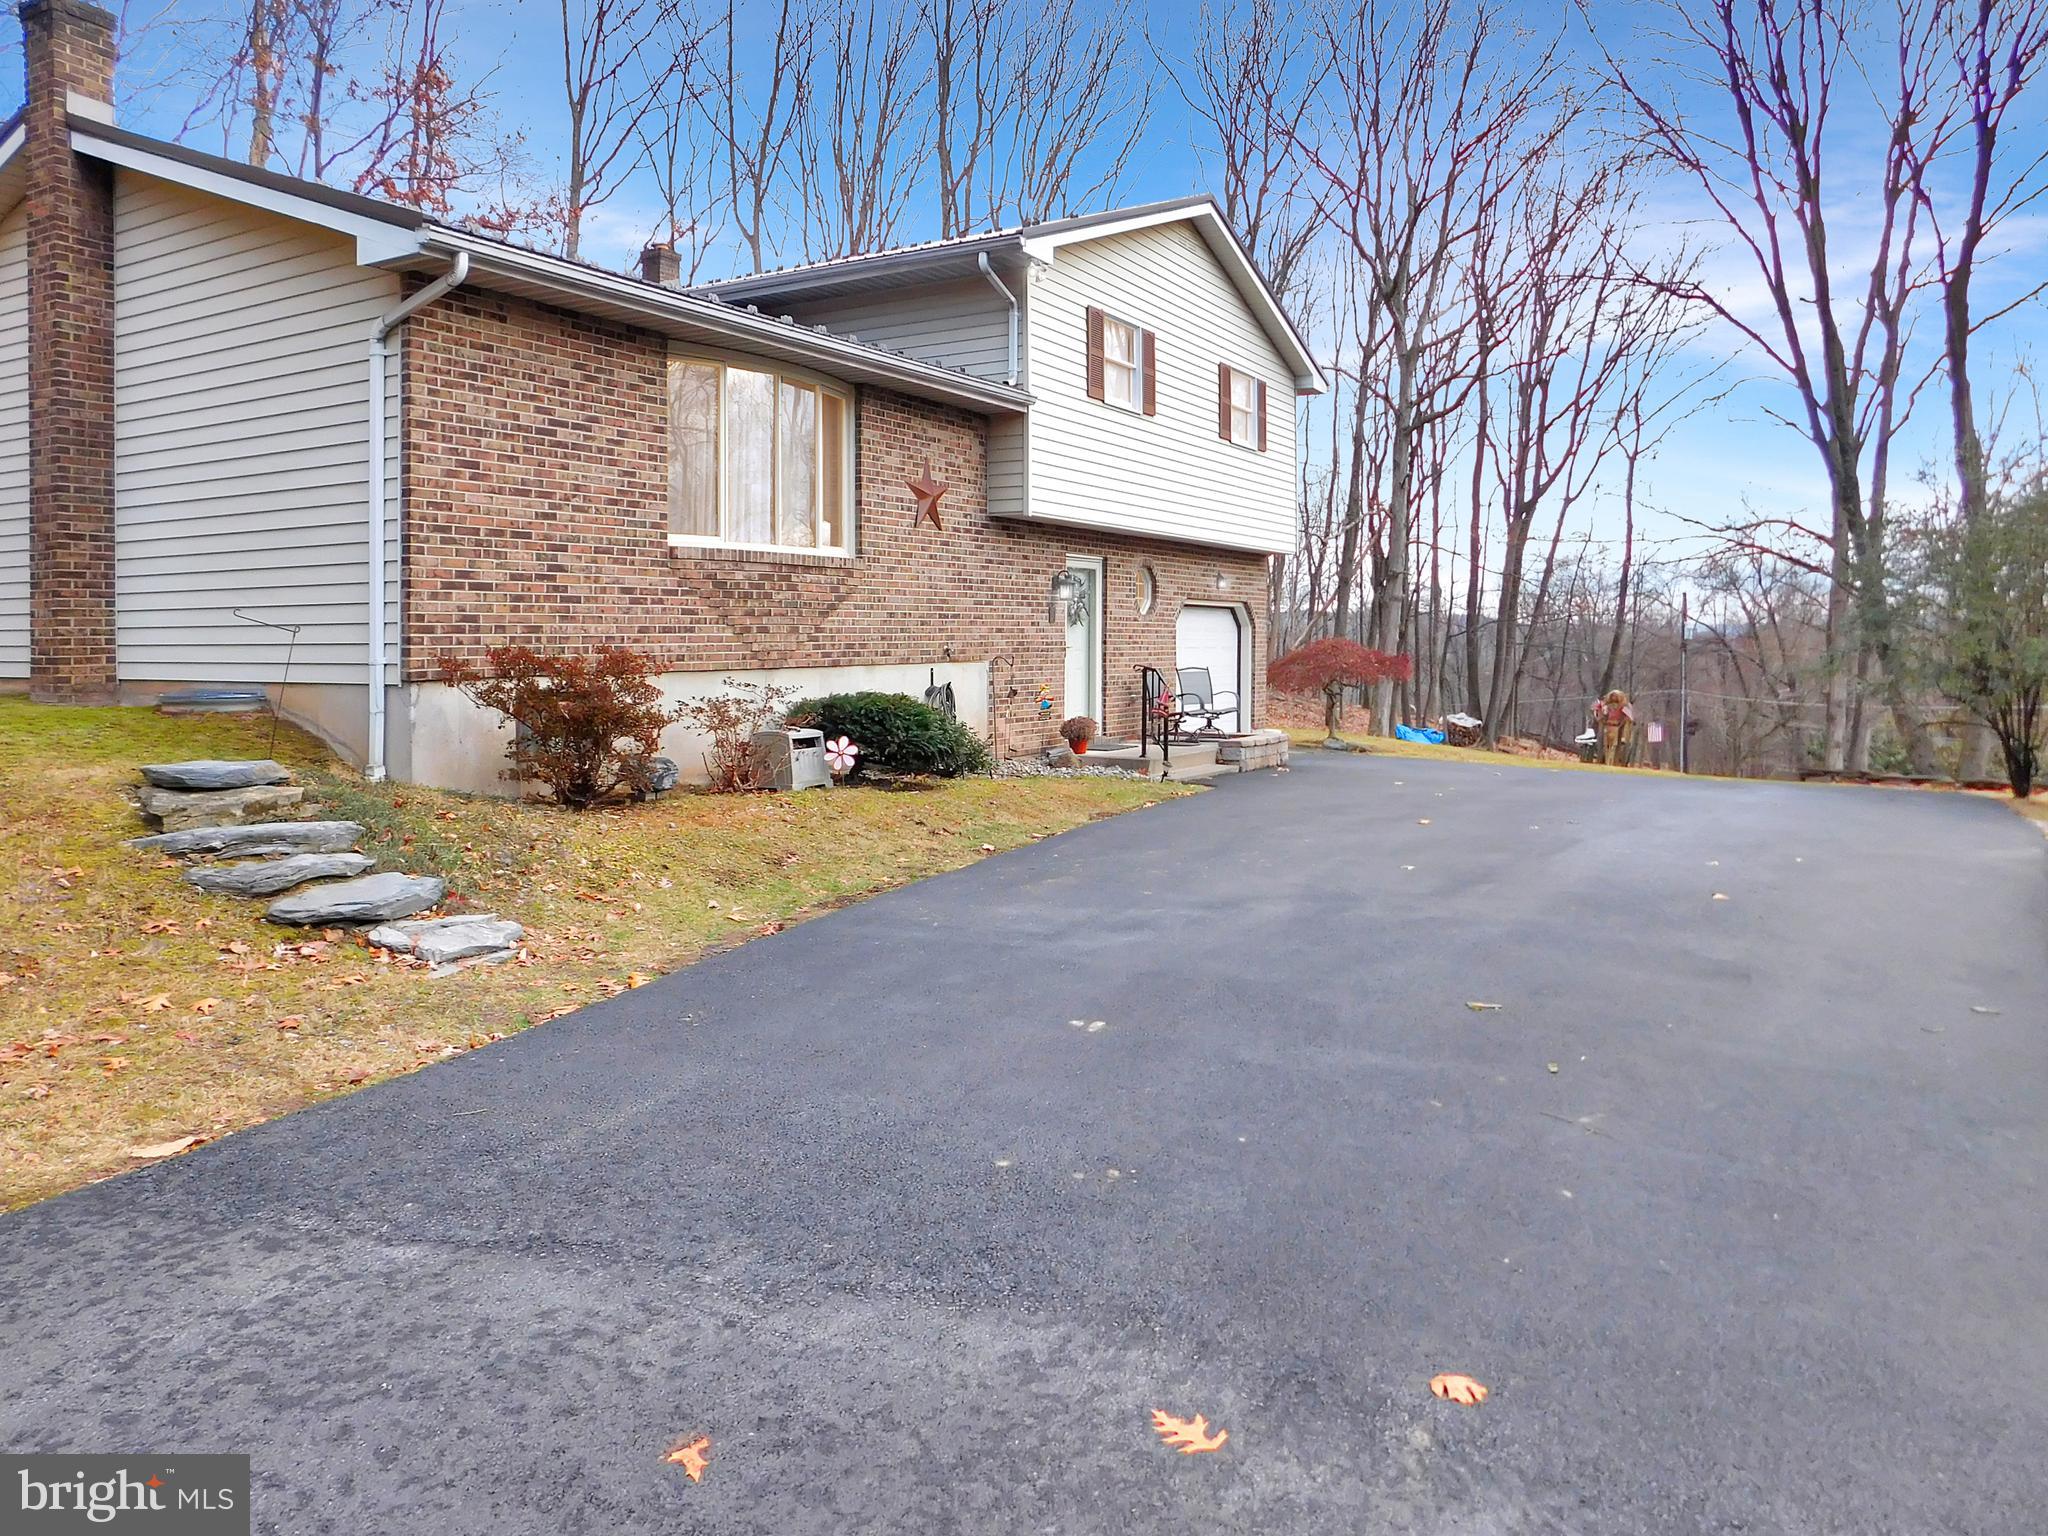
x=1084 y=641
x=1208 y=635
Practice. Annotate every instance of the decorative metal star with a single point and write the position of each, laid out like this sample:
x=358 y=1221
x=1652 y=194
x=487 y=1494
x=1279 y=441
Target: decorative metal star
x=927 y=491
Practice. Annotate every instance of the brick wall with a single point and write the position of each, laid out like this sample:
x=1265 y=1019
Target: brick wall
x=69 y=46
x=535 y=454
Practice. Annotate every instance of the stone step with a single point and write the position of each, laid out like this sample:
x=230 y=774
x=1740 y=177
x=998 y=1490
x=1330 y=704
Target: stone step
x=180 y=810
x=269 y=877
x=445 y=940
x=205 y=773
x=370 y=899
x=258 y=839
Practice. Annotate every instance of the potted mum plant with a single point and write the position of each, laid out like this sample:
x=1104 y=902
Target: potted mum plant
x=1077 y=732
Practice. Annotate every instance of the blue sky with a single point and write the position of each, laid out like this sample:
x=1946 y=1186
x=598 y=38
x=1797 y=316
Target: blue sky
x=1732 y=455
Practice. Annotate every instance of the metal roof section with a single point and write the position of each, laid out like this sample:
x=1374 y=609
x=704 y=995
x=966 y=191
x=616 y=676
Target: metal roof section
x=392 y=236
x=938 y=260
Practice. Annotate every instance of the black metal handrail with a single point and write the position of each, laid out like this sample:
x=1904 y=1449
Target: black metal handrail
x=1154 y=704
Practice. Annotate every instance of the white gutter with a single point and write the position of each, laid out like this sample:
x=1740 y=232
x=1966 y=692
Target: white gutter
x=391 y=320
x=1009 y=298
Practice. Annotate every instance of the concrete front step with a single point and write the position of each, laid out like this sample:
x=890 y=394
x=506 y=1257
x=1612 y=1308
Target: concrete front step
x=1201 y=760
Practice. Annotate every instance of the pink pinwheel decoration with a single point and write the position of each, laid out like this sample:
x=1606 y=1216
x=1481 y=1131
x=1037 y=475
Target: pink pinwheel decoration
x=839 y=755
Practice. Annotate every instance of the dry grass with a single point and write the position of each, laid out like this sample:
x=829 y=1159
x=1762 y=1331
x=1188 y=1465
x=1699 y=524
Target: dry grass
x=150 y=1011
x=1388 y=746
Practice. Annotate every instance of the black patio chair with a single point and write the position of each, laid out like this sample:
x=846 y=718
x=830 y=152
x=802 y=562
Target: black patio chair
x=1199 y=700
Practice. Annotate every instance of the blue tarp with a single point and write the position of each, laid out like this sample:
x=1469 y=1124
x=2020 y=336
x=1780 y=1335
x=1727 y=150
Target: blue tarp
x=1410 y=733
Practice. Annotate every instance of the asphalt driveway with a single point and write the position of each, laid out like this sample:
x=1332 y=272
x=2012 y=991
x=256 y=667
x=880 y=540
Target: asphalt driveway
x=1764 y=1253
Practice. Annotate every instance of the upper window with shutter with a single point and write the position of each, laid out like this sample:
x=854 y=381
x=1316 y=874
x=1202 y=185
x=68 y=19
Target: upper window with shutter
x=1122 y=363
x=1240 y=408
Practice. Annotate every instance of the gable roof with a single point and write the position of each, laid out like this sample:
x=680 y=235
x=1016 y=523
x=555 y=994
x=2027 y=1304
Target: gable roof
x=397 y=238
x=960 y=256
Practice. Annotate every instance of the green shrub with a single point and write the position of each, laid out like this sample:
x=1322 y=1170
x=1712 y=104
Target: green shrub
x=896 y=733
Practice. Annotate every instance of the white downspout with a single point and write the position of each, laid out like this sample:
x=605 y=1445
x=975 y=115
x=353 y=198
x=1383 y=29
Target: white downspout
x=989 y=272
x=373 y=766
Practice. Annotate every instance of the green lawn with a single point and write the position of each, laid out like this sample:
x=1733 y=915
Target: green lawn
x=135 y=1011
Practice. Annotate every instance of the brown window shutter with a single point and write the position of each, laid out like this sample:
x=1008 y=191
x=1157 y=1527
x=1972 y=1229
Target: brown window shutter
x=1261 y=391
x=1223 y=401
x=1094 y=353
x=1148 y=363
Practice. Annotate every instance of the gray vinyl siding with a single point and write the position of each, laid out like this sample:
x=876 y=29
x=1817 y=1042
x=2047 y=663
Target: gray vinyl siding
x=14 y=443
x=1171 y=475
x=963 y=324
x=241 y=343
x=1009 y=481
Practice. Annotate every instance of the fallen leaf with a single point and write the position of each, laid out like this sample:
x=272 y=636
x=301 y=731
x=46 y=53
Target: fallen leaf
x=360 y=1075
x=1458 y=1389
x=692 y=1456
x=1187 y=1436
x=1485 y=1007
x=206 y=1005
x=638 y=979
x=109 y=1039
x=165 y=1148
x=113 y=1064
x=160 y=925
x=289 y=1021
x=38 y=1090
x=156 y=1004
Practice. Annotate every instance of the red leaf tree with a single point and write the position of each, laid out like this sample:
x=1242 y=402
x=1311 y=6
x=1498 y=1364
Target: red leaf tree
x=1330 y=665
x=590 y=724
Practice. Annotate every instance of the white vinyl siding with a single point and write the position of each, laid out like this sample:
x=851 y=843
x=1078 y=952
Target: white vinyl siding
x=241 y=342
x=961 y=324
x=14 y=443
x=1171 y=474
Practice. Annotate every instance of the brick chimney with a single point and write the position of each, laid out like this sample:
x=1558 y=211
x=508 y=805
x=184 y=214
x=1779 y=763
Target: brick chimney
x=660 y=264
x=70 y=63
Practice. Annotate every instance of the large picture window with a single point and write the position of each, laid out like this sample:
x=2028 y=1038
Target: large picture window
x=757 y=458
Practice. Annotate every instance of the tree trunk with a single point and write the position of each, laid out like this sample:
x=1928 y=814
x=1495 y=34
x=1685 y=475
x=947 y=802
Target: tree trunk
x=1393 y=597
x=1621 y=591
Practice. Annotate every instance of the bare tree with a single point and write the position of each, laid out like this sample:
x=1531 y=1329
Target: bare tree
x=1424 y=130
x=619 y=57
x=1759 y=164
x=858 y=147
x=758 y=139
x=973 y=92
x=1035 y=109
x=1990 y=51
x=1080 y=112
x=431 y=139
x=1249 y=77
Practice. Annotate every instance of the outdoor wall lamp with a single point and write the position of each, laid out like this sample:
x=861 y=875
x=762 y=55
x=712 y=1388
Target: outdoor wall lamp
x=1065 y=597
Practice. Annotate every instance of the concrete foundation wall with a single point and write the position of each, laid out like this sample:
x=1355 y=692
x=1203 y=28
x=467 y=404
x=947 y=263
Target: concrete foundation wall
x=455 y=744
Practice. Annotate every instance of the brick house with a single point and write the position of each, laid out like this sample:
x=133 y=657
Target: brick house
x=255 y=432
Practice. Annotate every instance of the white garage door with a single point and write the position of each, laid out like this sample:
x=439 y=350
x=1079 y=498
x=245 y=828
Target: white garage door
x=1207 y=636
